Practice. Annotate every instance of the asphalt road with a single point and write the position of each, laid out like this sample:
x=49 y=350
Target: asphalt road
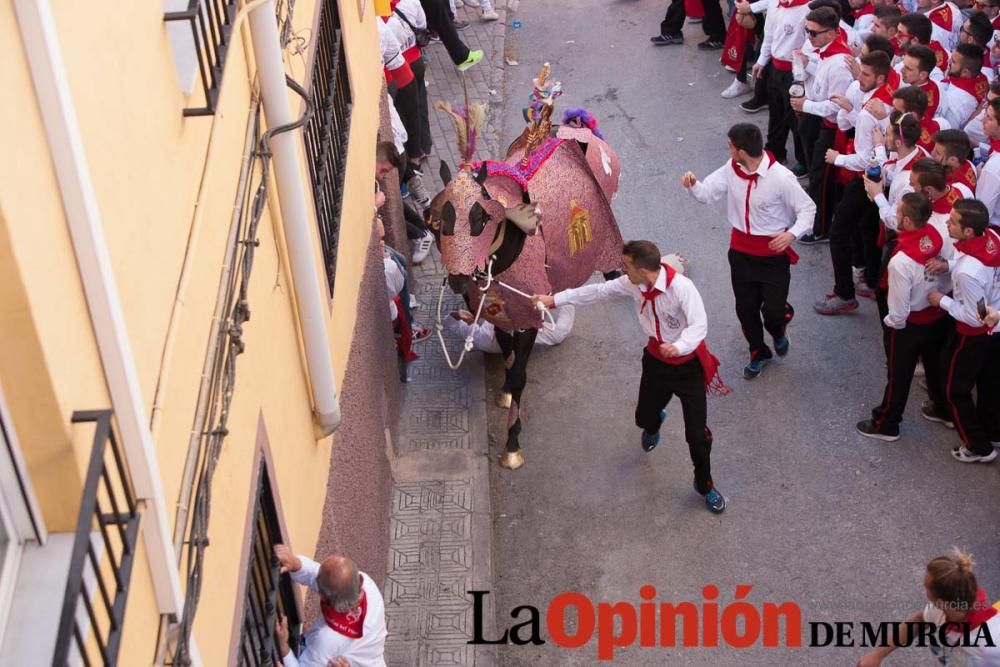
x=839 y=524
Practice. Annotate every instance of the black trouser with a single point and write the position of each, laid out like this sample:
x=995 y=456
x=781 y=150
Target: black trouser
x=713 y=24
x=415 y=225
x=903 y=348
x=780 y=118
x=973 y=363
x=823 y=186
x=659 y=383
x=855 y=211
x=750 y=58
x=407 y=102
x=439 y=20
x=419 y=143
x=760 y=285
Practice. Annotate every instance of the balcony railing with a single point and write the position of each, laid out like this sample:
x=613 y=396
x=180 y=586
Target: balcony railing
x=211 y=29
x=90 y=625
x=327 y=132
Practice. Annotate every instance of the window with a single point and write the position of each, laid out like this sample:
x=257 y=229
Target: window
x=269 y=594
x=327 y=132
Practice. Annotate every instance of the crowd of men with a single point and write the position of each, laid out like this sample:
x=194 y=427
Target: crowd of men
x=894 y=116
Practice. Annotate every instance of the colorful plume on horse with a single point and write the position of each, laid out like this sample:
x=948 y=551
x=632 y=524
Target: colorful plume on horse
x=580 y=117
x=468 y=124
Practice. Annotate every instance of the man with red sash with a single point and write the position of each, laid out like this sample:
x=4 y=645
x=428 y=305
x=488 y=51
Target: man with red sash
x=351 y=629
x=951 y=149
x=832 y=78
x=967 y=85
x=767 y=210
x=946 y=18
x=915 y=70
x=989 y=176
x=856 y=216
x=917 y=29
x=911 y=100
x=928 y=176
x=864 y=15
x=676 y=360
x=913 y=329
x=970 y=358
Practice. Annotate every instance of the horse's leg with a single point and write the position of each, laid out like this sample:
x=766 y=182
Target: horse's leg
x=517 y=378
x=506 y=342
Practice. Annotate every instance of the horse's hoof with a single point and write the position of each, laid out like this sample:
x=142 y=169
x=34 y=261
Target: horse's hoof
x=504 y=400
x=512 y=460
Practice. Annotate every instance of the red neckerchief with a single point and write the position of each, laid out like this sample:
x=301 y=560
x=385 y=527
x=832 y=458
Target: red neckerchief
x=885 y=91
x=837 y=47
x=994 y=146
x=919 y=245
x=868 y=9
x=928 y=128
x=945 y=202
x=649 y=296
x=351 y=624
x=996 y=22
x=792 y=3
x=933 y=97
x=941 y=15
x=895 y=46
x=751 y=179
x=965 y=174
x=985 y=248
x=977 y=86
x=980 y=613
x=940 y=54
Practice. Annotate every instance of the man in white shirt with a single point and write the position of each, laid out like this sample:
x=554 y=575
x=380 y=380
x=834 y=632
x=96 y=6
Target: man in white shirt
x=350 y=628
x=484 y=339
x=915 y=69
x=946 y=18
x=967 y=85
x=975 y=273
x=989 y=176
x=676 y=360
x=767 y=209
x=913 y=329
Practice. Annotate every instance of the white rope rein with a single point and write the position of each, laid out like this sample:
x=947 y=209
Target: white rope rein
x=467 y=347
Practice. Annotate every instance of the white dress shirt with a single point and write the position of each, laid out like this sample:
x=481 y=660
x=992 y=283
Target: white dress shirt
x=833 y=76
x=394 y=281
x=958 y=105
x=897 y=174
x=776 y=199
x=783 y=33
x=988 y=187
x=947 y=36
x=971 y=281
x=484 y=337
x=909 y=285
x=676 y=315
x=323 y=643
x=863 y=147
x=848 y=119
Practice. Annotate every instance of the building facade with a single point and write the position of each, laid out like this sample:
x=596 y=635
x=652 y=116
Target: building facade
x=195 y=355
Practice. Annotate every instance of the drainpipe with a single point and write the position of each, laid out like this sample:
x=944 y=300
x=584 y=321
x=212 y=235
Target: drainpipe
x=286 y=162
x=48 y=74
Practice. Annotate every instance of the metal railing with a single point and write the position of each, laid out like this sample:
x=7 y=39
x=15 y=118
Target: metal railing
x=269 y=594
x=211 y=27
x=103 y=554
x=327 y=132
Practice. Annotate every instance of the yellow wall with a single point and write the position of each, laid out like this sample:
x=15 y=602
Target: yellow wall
x=146 y=163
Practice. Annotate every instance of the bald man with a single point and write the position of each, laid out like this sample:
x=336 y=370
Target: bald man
x=351 y=630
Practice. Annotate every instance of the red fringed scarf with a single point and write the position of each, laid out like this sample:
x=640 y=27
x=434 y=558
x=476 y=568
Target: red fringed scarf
x=985 y=248
x=714 y=386
x=919 y=245
x=350 y=624
x=403 y=333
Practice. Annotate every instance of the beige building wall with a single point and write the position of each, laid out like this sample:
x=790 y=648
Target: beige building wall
x=146 y=162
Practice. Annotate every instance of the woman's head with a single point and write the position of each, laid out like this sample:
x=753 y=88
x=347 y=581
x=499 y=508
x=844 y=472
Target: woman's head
x=951 y=584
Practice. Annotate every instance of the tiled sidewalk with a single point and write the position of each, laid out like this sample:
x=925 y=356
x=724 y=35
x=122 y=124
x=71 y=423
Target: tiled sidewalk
x=441 y=539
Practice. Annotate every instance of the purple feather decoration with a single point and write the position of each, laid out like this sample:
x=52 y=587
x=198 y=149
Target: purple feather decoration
x=580 y=117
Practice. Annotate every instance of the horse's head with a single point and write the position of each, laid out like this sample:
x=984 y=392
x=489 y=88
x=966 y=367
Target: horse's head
x=467 y=222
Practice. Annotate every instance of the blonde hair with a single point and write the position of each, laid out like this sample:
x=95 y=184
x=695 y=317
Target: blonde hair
x=952 y=578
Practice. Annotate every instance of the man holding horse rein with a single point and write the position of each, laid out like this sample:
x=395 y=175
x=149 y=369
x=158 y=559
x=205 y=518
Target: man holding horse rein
x=675 y=361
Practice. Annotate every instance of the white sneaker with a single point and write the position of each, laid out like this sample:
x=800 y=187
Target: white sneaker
x=490 y=15
x=735 y=89
x=414 y=304
x=420 y=248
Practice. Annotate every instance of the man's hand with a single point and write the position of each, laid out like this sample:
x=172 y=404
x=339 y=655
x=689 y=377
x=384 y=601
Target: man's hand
x=546 y=300
x=780 y=242
x=992 y=317
x=689 y=179
x=871 y=187
x=463 y=315
x=873 y=659
x=842 y=102
x=379 y=199
x=668 y=350
x=934 y=298
x=877 y=109
x=756 y=71
x=831 y=156
x=338 y=662
x=854 y=64
x=936 y=266
x=287 y=559
x=878 y=137
x=798 y=103
x=742 y=6
x=281 y=636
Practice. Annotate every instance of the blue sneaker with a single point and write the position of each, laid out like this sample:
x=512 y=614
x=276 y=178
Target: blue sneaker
x=715 y=502
x=781 y=344
x=754 y=368
x=650 y=441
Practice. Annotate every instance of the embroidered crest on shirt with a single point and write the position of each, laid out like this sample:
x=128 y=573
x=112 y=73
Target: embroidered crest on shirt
x=578 y=232
x=991 y=246
x=926 y=244
x=494 y=307
x=673 y=322
x=789 y=29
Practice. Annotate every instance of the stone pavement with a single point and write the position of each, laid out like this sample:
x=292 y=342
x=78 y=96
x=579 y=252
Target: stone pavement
x=441 y=523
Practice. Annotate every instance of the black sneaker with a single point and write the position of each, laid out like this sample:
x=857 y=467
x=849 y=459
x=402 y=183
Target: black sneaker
x=867 y=428
x=754 y=105
x=781 y=345
x=710 y=45
x=667 y=40
x=932 y=415
x=813 y=239
x=715 y=502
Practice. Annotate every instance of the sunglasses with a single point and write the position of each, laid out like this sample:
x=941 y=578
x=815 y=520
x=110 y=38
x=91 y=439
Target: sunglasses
x=816 y=33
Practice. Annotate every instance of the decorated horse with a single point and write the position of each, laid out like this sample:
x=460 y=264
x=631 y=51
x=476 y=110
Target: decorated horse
x=538 y=222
